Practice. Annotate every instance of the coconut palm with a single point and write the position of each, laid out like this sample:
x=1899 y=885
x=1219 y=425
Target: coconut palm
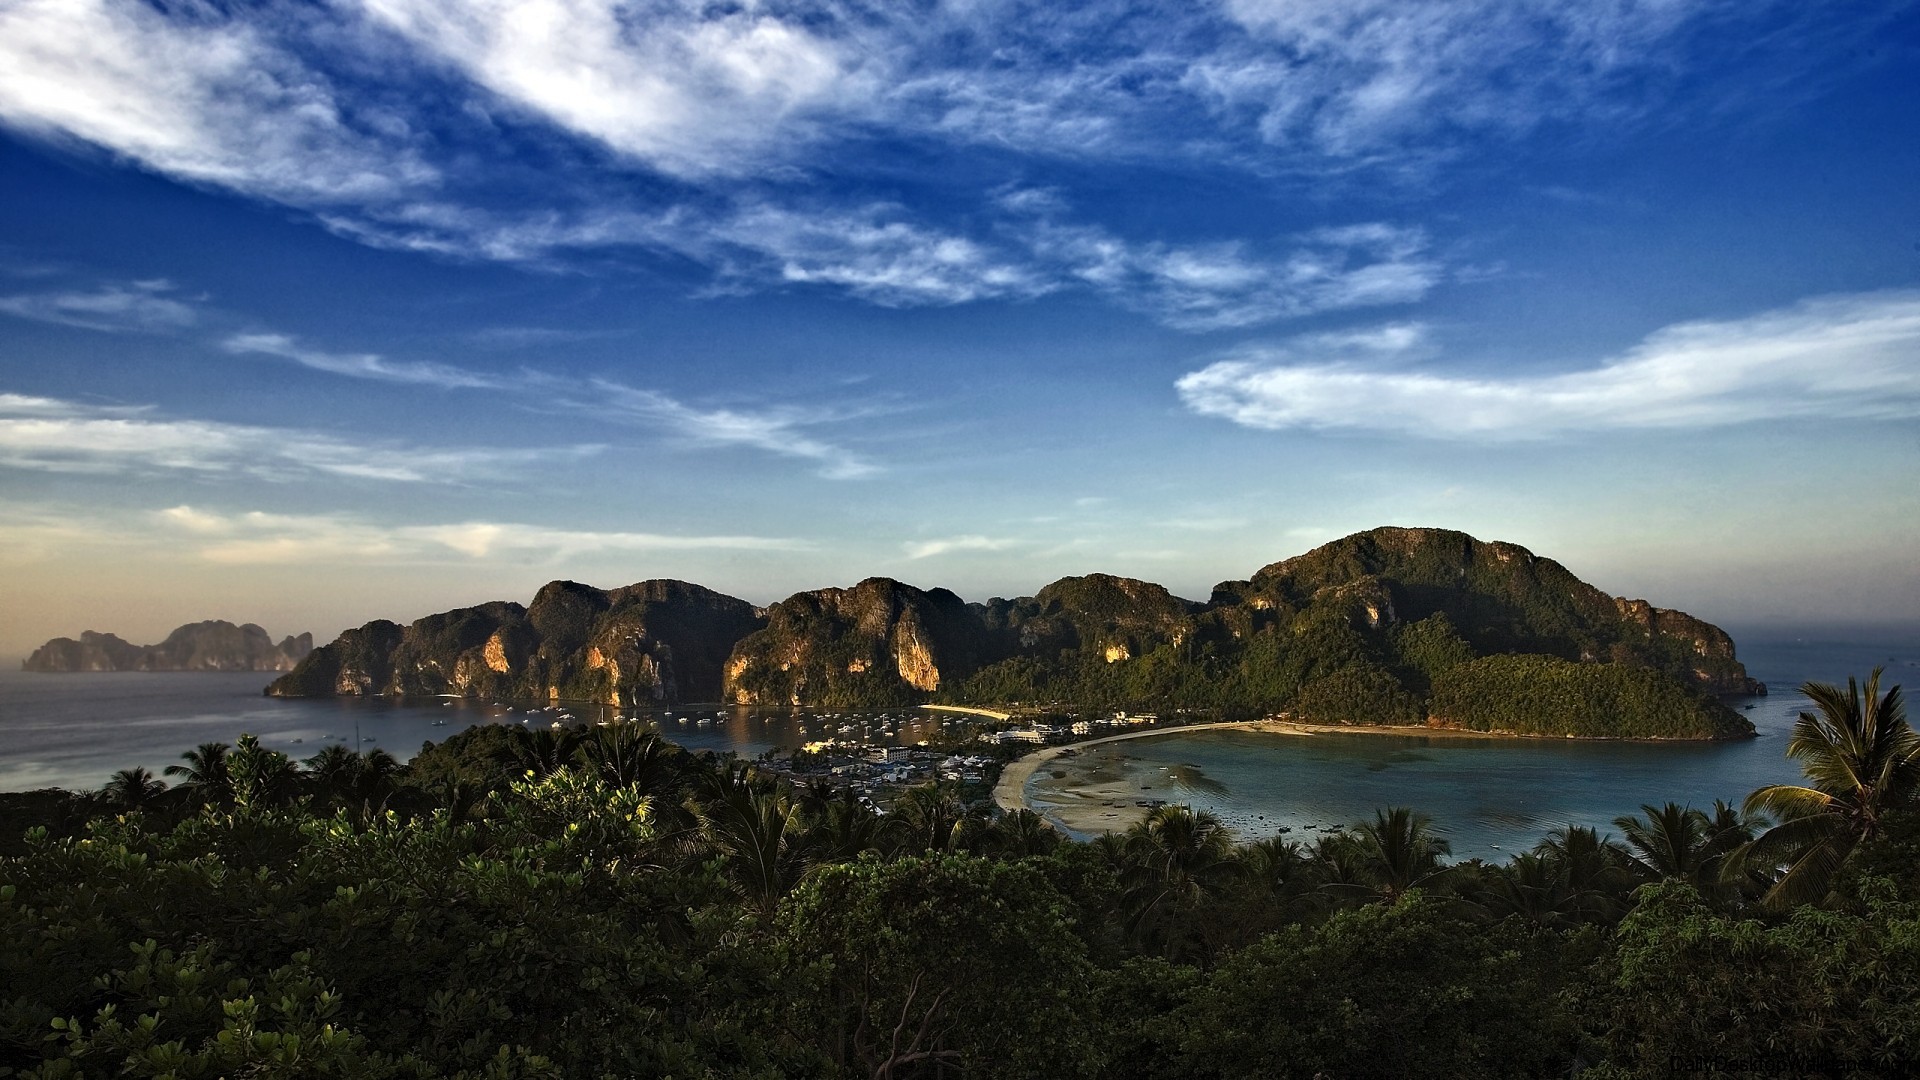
x=629 y=755
x=757 y=828
x=133 y=789
x=205 y=772
x=1861 y=759
x=1019 y=834
x=933 y=817
x=1532 y=885
x=1593 y=871
x=1675 y=842
x=841 y=829
x=334 y=769
x=545 y=751
x=1400 y=852
x=1175 y=860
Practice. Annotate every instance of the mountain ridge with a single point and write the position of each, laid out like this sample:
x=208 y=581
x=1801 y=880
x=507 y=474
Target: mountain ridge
x=1371 y=628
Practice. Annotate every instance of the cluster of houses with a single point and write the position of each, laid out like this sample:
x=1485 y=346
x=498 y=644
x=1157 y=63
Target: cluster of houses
x=866 y=769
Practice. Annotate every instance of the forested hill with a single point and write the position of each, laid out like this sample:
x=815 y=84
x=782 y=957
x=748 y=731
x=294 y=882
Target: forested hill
x=1392 y=625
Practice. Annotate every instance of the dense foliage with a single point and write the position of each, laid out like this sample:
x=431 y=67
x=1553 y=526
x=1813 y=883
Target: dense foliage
x=1542 y=695
x=598 y=903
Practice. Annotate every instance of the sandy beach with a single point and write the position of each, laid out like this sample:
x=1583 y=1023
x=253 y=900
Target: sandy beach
x=1010 y=792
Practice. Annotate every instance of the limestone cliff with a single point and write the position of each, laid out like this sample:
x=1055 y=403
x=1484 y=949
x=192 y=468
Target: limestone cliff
x=879 y=643
x=215 y=645
x=654 y=642
x=1371 y=628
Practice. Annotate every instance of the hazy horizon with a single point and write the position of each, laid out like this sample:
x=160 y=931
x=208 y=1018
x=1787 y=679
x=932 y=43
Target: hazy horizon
x=311 y=316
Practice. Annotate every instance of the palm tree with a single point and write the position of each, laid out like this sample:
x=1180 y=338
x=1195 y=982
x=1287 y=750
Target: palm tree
x=757 y=827
x=1176 y=859
x=840 y=829
x=1860 y=759
x=133 y=789
x=1021 y=833
x=1533 y=885
x=1681 y=843
x=545 y=751
x=933 y=817
x=1593 y=872
x=629 y=755
x=1400 y=852
x=334 y=770
x=206 y=772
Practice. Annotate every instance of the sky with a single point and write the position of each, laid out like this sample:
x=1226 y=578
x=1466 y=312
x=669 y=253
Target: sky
x=315 y=313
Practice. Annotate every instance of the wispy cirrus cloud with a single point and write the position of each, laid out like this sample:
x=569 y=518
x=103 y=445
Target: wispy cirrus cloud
x=1838 y=357
x=741 y=137
x=367 y=365
x=51 y=435
x=927 y=549
x=690 y=90
x=134 y=307
x=258 y=537
x=780 y=430
x=205 y=96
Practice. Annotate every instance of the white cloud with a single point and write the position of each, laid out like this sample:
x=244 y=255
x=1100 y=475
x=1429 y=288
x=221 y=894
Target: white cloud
x=777 y=430
x=366 y=365
x=1223 y=285
x=140 y=306
x=926 y=549
x=876 y=254
x=1854 y=357
x=687 y=88
x=258 y=537
x=47 y=435
x=1350 y=79
x=199 y=95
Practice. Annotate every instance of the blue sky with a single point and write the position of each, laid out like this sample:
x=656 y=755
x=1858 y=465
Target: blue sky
x=313 y=313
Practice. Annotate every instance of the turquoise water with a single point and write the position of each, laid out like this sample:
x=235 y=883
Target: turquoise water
x=1489 y=797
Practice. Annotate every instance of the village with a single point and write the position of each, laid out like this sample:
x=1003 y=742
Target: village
x=876 y=773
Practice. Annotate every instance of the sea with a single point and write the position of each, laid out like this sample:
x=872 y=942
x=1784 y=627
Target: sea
x=1488 y=797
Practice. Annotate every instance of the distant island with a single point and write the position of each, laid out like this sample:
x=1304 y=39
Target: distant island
x=215 y=645
x=1393 y=626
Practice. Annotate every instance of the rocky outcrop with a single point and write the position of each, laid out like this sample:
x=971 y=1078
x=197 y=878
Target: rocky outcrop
x=879 y=643
x=654 y=642
x=214 y=645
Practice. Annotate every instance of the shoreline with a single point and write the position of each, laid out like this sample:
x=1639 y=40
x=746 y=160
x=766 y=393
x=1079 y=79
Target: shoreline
x=1010 y=791
x=968 y=710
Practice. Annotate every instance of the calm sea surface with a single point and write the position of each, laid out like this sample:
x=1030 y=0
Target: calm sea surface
x=1487 y=796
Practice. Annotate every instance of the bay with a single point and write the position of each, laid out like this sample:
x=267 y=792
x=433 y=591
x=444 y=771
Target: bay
x=1488 y=797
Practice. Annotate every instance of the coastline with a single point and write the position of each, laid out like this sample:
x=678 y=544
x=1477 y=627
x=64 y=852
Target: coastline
x=1009 y=792
x=968 y=710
